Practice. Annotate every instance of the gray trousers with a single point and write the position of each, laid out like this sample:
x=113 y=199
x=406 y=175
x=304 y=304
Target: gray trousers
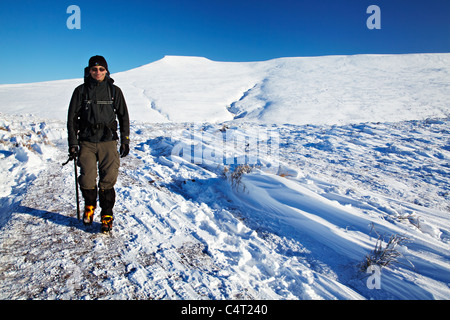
x=106 y=156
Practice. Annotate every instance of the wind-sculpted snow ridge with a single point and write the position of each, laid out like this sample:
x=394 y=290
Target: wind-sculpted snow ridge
x=297 y=226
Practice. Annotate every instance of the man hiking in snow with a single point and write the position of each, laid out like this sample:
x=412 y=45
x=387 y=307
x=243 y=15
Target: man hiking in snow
x=92 y=131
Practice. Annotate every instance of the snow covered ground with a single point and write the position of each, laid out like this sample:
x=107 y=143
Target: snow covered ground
x=321 y=192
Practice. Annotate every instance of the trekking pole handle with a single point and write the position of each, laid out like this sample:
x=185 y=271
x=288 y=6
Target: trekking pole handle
x=68 y=160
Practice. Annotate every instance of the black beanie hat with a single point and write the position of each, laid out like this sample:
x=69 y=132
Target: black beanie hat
x=98 y=61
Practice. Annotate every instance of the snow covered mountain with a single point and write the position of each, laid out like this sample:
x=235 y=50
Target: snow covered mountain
x=304 y=90
x=349 y=158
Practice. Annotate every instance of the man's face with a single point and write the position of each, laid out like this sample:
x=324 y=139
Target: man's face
x=98 y=73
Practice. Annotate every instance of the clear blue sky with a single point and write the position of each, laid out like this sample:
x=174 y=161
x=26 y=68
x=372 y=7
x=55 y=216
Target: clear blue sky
x=36 y=44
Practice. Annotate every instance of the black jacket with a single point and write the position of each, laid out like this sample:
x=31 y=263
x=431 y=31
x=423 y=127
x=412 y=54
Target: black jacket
x=92 y=116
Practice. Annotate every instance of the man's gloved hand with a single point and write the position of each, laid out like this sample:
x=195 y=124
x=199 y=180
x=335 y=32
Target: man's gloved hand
x=73 y=152
x=124 y=150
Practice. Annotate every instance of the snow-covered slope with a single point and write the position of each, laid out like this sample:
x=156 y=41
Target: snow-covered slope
x=297 y=230
x=326 y=90
x=319 y=198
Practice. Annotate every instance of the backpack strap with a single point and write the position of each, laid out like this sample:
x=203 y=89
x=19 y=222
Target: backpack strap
x=111 y=92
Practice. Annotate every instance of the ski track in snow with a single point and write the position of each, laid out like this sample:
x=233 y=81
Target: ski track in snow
x=297 y=230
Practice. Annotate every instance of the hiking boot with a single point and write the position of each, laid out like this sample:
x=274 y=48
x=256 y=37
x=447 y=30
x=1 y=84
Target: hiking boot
x=107 y=223
x=107 y=199
x=88 y=215
x=90 y=202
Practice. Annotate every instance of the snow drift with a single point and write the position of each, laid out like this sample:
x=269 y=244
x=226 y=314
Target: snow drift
x=362 y=155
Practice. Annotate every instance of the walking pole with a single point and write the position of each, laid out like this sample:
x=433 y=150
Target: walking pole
x=76 y=187
x=74 y=158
